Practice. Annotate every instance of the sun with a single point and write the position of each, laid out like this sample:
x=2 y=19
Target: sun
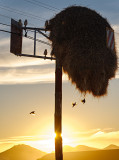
x=47 y=144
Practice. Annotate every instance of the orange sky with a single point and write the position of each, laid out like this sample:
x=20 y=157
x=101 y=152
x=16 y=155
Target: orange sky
x=28 y=84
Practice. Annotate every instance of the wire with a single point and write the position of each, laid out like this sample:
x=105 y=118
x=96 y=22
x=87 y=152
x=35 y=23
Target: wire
x=28 y=30
x=22 y=13
x=5 y=16
x=2 y=30
x=48 y=5
x=39 y=40
x=29 y=37
x=5 y=24
x=37 y=4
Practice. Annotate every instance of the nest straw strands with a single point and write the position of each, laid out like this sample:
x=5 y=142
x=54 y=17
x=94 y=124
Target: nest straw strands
x=78 y=36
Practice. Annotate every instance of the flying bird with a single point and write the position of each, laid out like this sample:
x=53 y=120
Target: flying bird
x=74 y=104
x=33 y=112
x=83 y=100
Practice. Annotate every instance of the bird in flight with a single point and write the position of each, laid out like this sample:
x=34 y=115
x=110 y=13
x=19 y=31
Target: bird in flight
x=33 y=112
x=74 y=104
x=83 y=100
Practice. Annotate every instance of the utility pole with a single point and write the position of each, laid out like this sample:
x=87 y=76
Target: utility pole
x=58 y=111
x=16 y=48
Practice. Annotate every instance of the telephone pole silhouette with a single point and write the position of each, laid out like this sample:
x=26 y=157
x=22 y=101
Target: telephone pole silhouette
x=16 y=48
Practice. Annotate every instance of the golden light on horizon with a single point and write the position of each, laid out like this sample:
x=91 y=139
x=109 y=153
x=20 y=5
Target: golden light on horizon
x=48 y=144
x=93 y=138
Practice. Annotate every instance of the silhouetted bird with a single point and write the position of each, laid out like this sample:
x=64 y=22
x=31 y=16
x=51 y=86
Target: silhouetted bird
x=74 y=104
x=45 y=52
x=20 y=22
x=83 y=101
x=25 y=22
x=33 y=112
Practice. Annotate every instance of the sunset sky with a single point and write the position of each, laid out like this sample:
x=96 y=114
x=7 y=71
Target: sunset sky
x=27 y=84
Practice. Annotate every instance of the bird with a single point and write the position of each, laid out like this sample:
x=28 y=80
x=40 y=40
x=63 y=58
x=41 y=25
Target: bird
x=83 y=100
x=33 y=113
x=46 y=23
x=74 y=104
x=25 y=22
x=20 y=22
x=45 y=52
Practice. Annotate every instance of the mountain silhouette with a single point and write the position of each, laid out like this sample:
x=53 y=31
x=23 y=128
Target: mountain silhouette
x=77 y=148
x=21 y=152
x=86 y=155
x=111 y=146
x=25 y=152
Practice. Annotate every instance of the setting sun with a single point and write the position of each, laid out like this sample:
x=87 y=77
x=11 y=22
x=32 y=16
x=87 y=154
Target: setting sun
x=59 y=80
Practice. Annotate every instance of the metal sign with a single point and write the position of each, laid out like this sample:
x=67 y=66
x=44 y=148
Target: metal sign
x=110 y=39
x=16 y=37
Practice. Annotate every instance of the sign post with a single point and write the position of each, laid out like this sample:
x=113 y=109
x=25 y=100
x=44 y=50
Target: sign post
x=16 y=48
x=58 y=111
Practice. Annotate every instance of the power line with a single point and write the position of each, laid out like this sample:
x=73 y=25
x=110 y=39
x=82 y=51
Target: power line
x=5 y=24
x=2 y=30
x=29 y=37
x=5 y=16
x=12 y=18
x=38 y=4
x=47 y=5
x=22 y=13
x=10 y=26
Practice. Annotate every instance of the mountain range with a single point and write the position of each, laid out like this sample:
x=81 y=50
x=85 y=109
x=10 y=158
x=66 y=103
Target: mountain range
x=25 y=152
x=86 y=155
x=111 y=146
x=78 y=148
x=21 y=152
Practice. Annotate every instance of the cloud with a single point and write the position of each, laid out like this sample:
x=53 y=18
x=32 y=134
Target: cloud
x=98 y=138
x=28 y=74
x=21 y=139
x=106 y=135
x=15 y=70
x=42 y=142
x=22 y=70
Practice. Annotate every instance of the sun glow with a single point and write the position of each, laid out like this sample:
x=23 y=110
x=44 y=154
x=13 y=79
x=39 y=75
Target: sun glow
x=47 y=143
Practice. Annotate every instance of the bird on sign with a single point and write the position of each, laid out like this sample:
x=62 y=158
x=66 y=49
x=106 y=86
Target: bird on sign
x=83 y=100
x=32 y=113
x=74 y=104
x=20 y=22
x=25 y=22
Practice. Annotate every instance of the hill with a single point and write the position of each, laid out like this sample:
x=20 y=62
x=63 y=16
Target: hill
x=111 y=146
x=78 y=148
x=87 y=155
x=21 y=152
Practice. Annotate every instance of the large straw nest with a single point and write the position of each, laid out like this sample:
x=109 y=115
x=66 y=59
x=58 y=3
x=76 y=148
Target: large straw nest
x=78 y=36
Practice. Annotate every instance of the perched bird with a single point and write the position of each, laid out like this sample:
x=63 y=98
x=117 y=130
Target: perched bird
x=33 y=112
x=83 y=100
x=45 y=52
x=46 y=23
x=20 y=22
x=25 y=22
x=74 y=104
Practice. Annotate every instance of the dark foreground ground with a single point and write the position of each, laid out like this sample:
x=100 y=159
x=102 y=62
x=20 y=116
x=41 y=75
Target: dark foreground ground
x=87 y=155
